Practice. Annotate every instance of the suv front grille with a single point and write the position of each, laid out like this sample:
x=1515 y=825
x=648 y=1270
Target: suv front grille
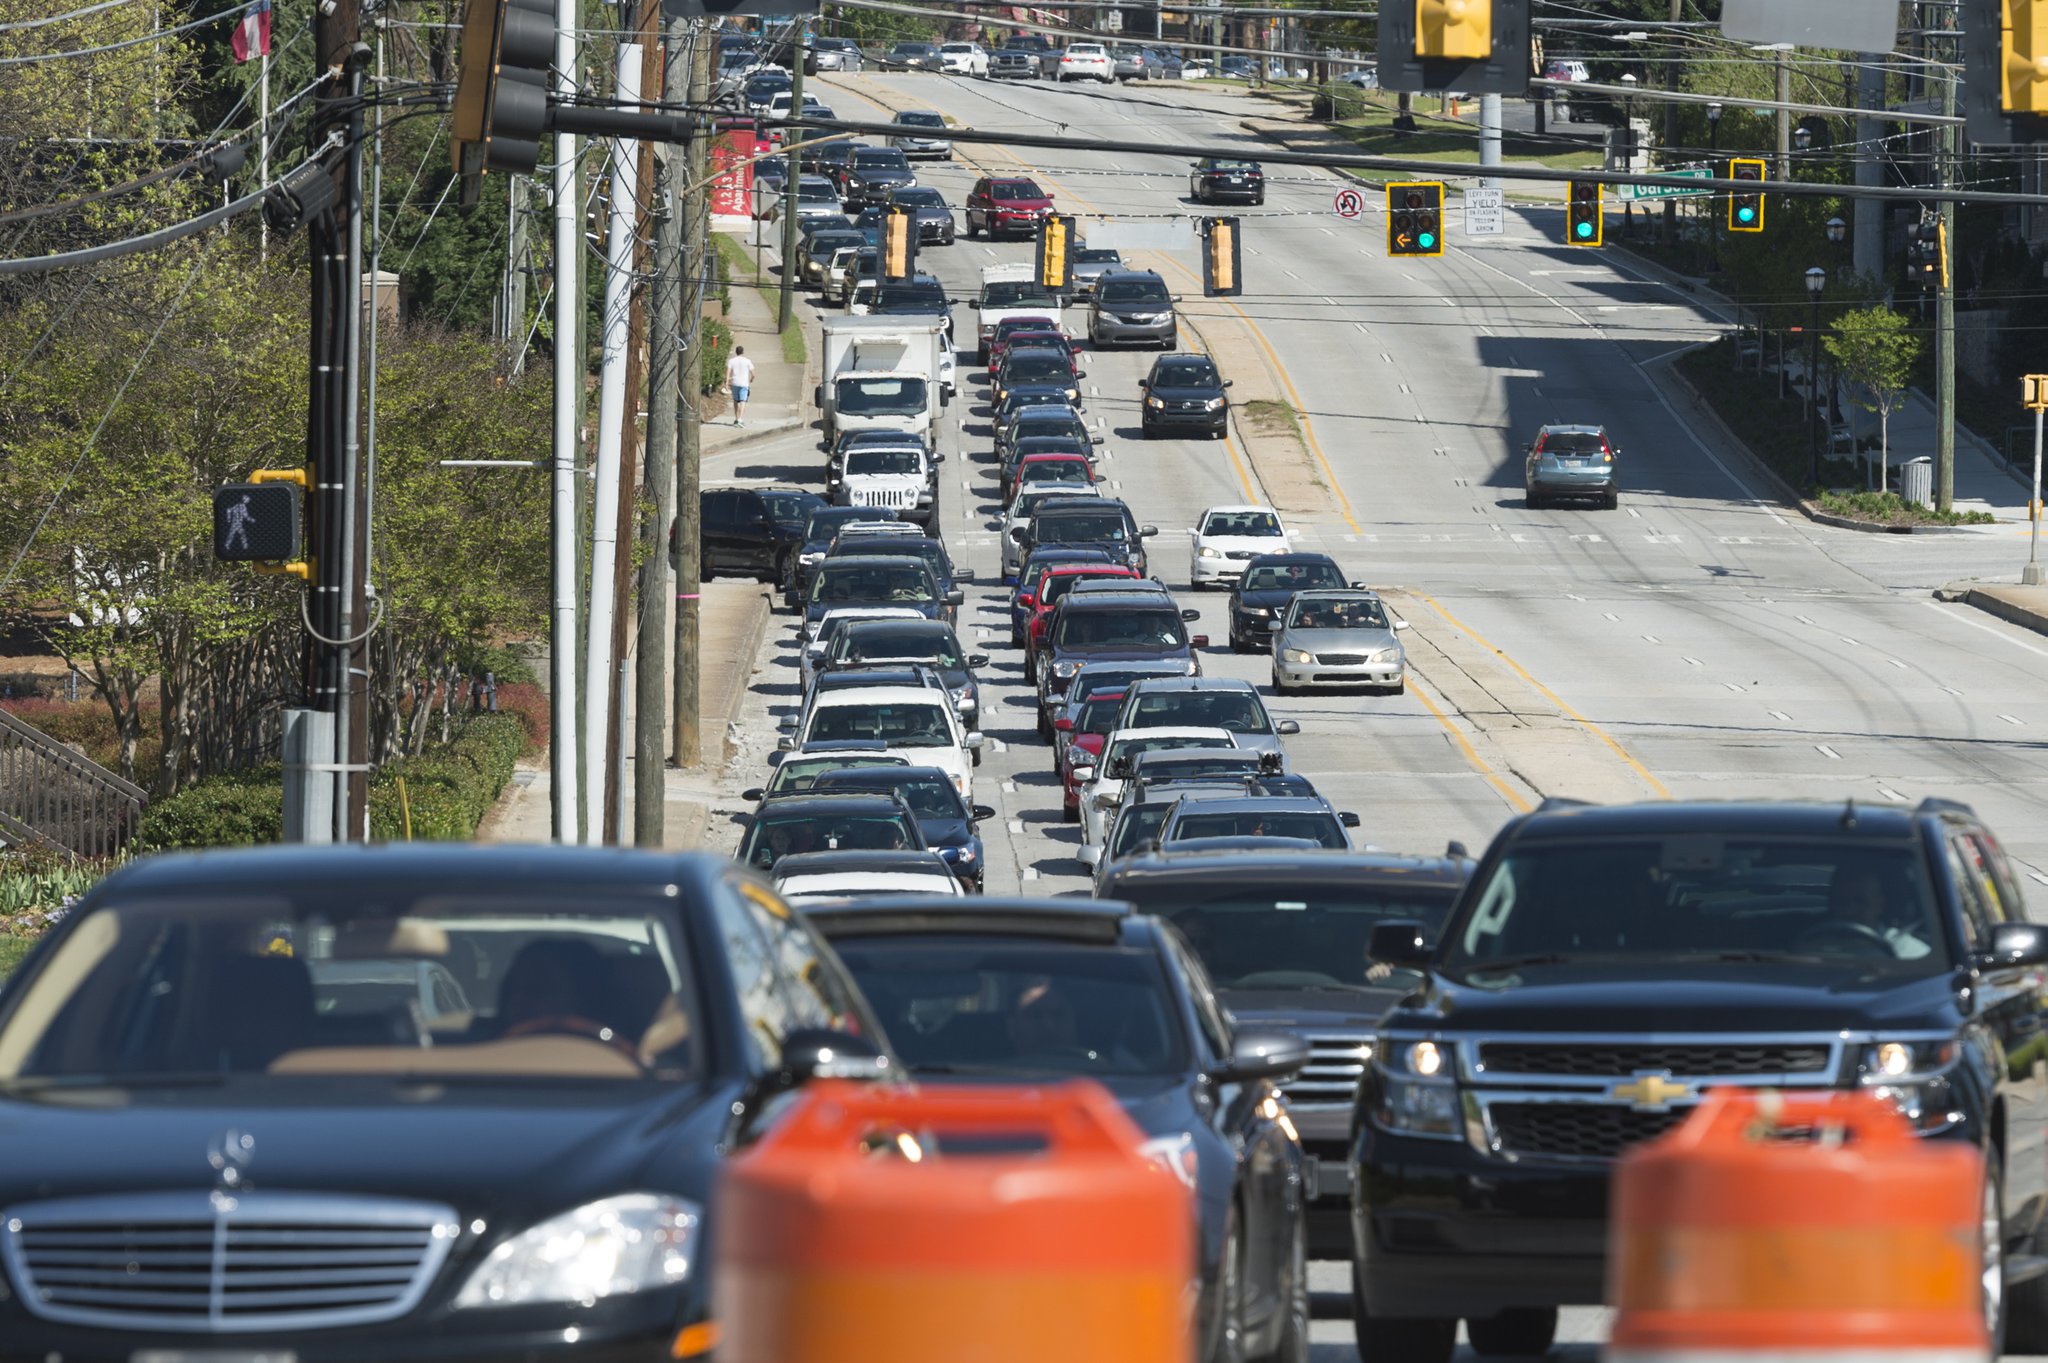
x=206 y=1262
x=900 y=498
x=1592 y=1131
x=1335 y=1065
x=1600 y=1060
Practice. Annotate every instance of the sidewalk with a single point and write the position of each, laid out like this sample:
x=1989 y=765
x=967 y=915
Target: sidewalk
x=781 y=398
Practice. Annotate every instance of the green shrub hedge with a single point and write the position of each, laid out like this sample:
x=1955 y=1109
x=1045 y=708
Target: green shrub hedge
x=448 y=790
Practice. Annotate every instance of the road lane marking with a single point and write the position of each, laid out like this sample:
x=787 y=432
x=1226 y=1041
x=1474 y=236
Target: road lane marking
x=2012 y=719
x=1493 y=778
x=1691 y=661
x=1736 y=687
x=1826 y=751
x=1612 y=616
x=1976 y=624
x=1651 y=638
x=1891 y=795
x=1781 y=716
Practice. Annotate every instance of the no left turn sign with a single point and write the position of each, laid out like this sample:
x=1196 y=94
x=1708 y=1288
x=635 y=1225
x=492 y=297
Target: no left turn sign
x=1349 y=203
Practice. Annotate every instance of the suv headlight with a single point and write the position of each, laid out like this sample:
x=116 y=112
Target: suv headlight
x=1914 y=1076
x=1155 y=403
x=607 y=1248
x=1065 y=670
x=1418 y=1096
x=1213 y=405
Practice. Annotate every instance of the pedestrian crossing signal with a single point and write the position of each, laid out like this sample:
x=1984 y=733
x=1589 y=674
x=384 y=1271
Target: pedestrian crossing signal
x=256 y=522
x=1222 y=260
x=899 y=243
x=1415 y=216
x=1746 y=207
x=1582 y=214
x=1056 y=254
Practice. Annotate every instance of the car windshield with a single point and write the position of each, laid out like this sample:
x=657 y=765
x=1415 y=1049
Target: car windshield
x=320 y=981
x=801 y=773
x=849 y=581
x=1012 y=327
x=859 y=461
x=825 y=243
x=1237 y=711
x=895 y=643
x=1322 y=829
x=900 y=724
x=1058 y=585
x=1279 y=577
x=910 y=298
x=1015 y=293
x=1123 y=627
x=1038 y=368
x=930 y=796
x=1016 y=400
x=1315 y=613
x=879 y=158
x=1703 y=896
x=1220 y=163
x=918 y=120
x=775 y=836
x=1230 y=762
x=788 y=506
x=1087 y=527
x=1126 y=749
x=1185 y=374
x=885 y=396
x=1100 y=255
x=920 y=197
x=1288 y=936
x=1098 y=714
x=1025 y=190
x=1054 y=471
x=1047 y=424
x=817 y=191
x=1133 y=291
x=971 y=1006
x=1242 y=524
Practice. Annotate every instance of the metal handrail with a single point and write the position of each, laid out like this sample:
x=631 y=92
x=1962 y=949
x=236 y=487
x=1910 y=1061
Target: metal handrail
x=59 y=798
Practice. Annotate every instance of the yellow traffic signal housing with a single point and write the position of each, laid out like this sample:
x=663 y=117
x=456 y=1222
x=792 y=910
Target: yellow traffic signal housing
x=1415 y=218
x=1455 y=30
x=2023 y=56
x=1746 y=207
x=1222 y=260
x=1584 y=222
x=1056 y=253
x=501 y=88
x=899 y=243
x=2034 y=391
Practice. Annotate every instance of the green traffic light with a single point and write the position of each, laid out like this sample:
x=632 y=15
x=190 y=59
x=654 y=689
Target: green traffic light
x=1428 y=239
x=1585 y=229
x=1745 y=213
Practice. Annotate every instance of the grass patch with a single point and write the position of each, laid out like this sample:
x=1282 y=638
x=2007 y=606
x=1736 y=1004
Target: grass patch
x=1774 y=428
x=1886 y=508
x=1372 y=130
x=739 y=261
x=12 y=950
x=1267 y=417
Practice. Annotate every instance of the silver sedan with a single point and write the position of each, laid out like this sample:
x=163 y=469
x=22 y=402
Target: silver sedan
x=1338 y=638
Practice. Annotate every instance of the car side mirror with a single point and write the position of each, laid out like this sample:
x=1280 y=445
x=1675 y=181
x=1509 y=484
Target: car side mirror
x=1455 y=851
x=1275 y=626
x=818 y=396
x=1199 y=641
x=1229 y=382
x=1347 y=818
x=1089 y=854
x=1360 y=587
x=1017 y=532
x=1146 y=532
x=956 y=597
x=1190 y=615
x=786 y=743
x=786 y=723
x=753 y=793
x=977 y=660
x=1262 y=1055
x=1401 y=942
x=973 y=741
x=2016 y=944
x=1064 y=724
x=1095 y=440
x=1083 y=775
x=1400 y=625
x=1144 y=383
x=1287 y=726
x=975 y=304
x=938 y=458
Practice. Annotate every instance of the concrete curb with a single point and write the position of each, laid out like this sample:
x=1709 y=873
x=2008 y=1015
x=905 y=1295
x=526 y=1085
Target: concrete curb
x=1992 y=602
x=740 y=673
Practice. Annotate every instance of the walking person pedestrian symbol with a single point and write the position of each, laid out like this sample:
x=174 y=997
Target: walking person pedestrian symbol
x=239 y=518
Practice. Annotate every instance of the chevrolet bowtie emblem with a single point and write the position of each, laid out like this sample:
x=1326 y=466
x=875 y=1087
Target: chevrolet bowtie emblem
x=1650 y=1091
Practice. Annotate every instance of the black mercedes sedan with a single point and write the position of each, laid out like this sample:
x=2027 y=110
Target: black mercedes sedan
x=1260 y=595
x=1219 y=179
x=404 y=1103
x=1017 y=990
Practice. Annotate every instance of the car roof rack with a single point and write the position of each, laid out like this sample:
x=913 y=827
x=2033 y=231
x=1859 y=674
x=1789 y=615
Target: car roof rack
x=1551 y=802
x=1938 y=804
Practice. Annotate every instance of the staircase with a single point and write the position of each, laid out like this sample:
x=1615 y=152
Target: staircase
x=53 y=797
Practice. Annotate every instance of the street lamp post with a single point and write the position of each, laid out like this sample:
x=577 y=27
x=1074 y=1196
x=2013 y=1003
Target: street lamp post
x=1713 y=127
x=1802 y=138
x=1816 y=280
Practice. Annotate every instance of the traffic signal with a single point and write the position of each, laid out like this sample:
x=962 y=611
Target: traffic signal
x=1222 y=260
x=899 y=243
x=1056 y=253
x=1927 y=254
x=1746 y=207
x=501 y=89
x=2005 y=70
x=1480 y=46
x=1415 y=218
x=1453 y=30
x=1583 y=220
x=253 y=522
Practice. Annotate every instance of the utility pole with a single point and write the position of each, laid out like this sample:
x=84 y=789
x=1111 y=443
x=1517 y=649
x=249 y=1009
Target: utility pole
x=686 y=746
x=563 y=726
x=1946 y=146
x=1671 y=130
x=651 y=698
x=351 y=719
x=785 y=313
x=517 y=263
x=1784 y=115
x=1869 y=220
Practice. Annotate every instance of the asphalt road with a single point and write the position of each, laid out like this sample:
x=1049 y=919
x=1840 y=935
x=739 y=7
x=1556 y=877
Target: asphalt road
x=1698 y=642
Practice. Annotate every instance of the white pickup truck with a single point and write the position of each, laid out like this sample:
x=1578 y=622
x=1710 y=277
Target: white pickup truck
x=885 y=373
x=1010 y=291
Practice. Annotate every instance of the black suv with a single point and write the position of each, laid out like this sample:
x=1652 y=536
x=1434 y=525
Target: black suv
x=757 y=531
x=1112 y=626
x=1090 y=520
x=1185 y=393
x=1606 y=966
x=1283 y=935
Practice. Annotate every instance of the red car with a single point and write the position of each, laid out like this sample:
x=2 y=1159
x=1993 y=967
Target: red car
x=1006 y=203
x=1080 y=738
x=1027 y=331
x=1054 y=468
x=1053 y=585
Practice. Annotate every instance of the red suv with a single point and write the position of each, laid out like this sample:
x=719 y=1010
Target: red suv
x=1000 y=204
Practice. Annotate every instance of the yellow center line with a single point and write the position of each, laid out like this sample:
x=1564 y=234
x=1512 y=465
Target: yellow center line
x=1590 y=727
x=1479 y=764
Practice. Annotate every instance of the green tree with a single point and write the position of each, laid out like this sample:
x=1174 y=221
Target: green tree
x=1875 y=349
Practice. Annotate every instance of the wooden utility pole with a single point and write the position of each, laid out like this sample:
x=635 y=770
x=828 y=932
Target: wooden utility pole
x=686 y=744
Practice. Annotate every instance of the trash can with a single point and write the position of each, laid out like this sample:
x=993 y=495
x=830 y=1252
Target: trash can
x=1916 y=481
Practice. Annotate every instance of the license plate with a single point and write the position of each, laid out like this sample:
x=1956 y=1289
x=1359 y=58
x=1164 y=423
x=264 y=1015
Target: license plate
x=213 y=1356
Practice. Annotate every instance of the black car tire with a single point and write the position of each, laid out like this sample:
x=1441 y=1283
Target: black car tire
x=704 y=573
x=1400 y=1339
x=1534 y=500
x=1292 y=1346
x=1220 y=432
x=1258 y=200
x=1611 y=501
x=1280 y=688
x=1525 y=1332
x=1045 y=730
x=1147 y=429
x=1225 y=1326
x=783 y=572
x=1069 y=813
x=1172 y=341
x=1398 y=688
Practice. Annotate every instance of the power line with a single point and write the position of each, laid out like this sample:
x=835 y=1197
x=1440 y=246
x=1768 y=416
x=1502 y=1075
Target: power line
x=20 y=25
x=157 y=35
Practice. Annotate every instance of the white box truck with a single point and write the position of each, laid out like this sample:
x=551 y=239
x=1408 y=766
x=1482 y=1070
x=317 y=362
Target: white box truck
x=885 y=373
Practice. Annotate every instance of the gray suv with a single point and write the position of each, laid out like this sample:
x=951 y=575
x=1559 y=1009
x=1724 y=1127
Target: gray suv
x=1132 y=307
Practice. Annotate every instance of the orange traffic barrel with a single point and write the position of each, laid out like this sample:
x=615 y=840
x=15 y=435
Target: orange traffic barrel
x=1815 y=1226
x=849 y=1234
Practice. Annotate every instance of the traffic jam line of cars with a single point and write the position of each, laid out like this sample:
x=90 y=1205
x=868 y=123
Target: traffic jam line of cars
x=1422 y=1065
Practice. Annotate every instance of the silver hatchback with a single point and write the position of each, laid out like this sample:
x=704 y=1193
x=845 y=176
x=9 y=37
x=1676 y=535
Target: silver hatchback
x=1338 y=637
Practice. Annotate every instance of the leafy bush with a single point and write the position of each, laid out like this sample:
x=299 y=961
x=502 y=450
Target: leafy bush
x=222 y=811
x=717 y=342
x=1336 y=102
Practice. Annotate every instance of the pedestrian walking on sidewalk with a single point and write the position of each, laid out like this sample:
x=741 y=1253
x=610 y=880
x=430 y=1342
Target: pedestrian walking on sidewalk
x=739 y=377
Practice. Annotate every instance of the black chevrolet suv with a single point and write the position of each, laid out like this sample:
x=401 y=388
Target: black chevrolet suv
x=1606 y=966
